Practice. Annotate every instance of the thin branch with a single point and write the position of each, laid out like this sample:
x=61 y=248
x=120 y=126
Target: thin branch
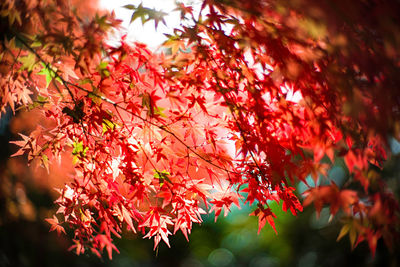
x=116 y=105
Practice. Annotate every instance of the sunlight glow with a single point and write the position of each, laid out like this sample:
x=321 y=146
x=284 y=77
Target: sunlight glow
x=146 y=33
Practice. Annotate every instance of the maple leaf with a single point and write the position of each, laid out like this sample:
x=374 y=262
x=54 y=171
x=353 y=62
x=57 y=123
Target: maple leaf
x=105 y=242
x=290 y=201
x=264 y=216
x=28 y=62
x=184 y=10
x=22 y=144
x=49 y=73
x=321 y=195
x=146 y=14
x=235 y=67
x=55 y=226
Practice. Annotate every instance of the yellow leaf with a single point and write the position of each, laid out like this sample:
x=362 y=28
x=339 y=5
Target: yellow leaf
x=345 y=229
x=353 y=236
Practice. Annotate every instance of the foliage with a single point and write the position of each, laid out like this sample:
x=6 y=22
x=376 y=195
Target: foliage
x=295 y=87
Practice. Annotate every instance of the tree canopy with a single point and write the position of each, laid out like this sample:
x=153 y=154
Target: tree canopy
x=247 y=99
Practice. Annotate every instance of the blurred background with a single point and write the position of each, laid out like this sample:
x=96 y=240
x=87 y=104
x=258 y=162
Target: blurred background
x=27 y=195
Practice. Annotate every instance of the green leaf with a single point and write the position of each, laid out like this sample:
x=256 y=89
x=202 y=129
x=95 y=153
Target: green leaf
x=146 y=14
x=36 y=43
x=162 y=176
x=103 y=65
x=108 y=125
x=102 y=69
x=28 y=62
x=138 y=13
x=42 y=99
x=48 y=72
x=79 y=149
x=159 y=111
x=131 y=7
x=102 y=21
